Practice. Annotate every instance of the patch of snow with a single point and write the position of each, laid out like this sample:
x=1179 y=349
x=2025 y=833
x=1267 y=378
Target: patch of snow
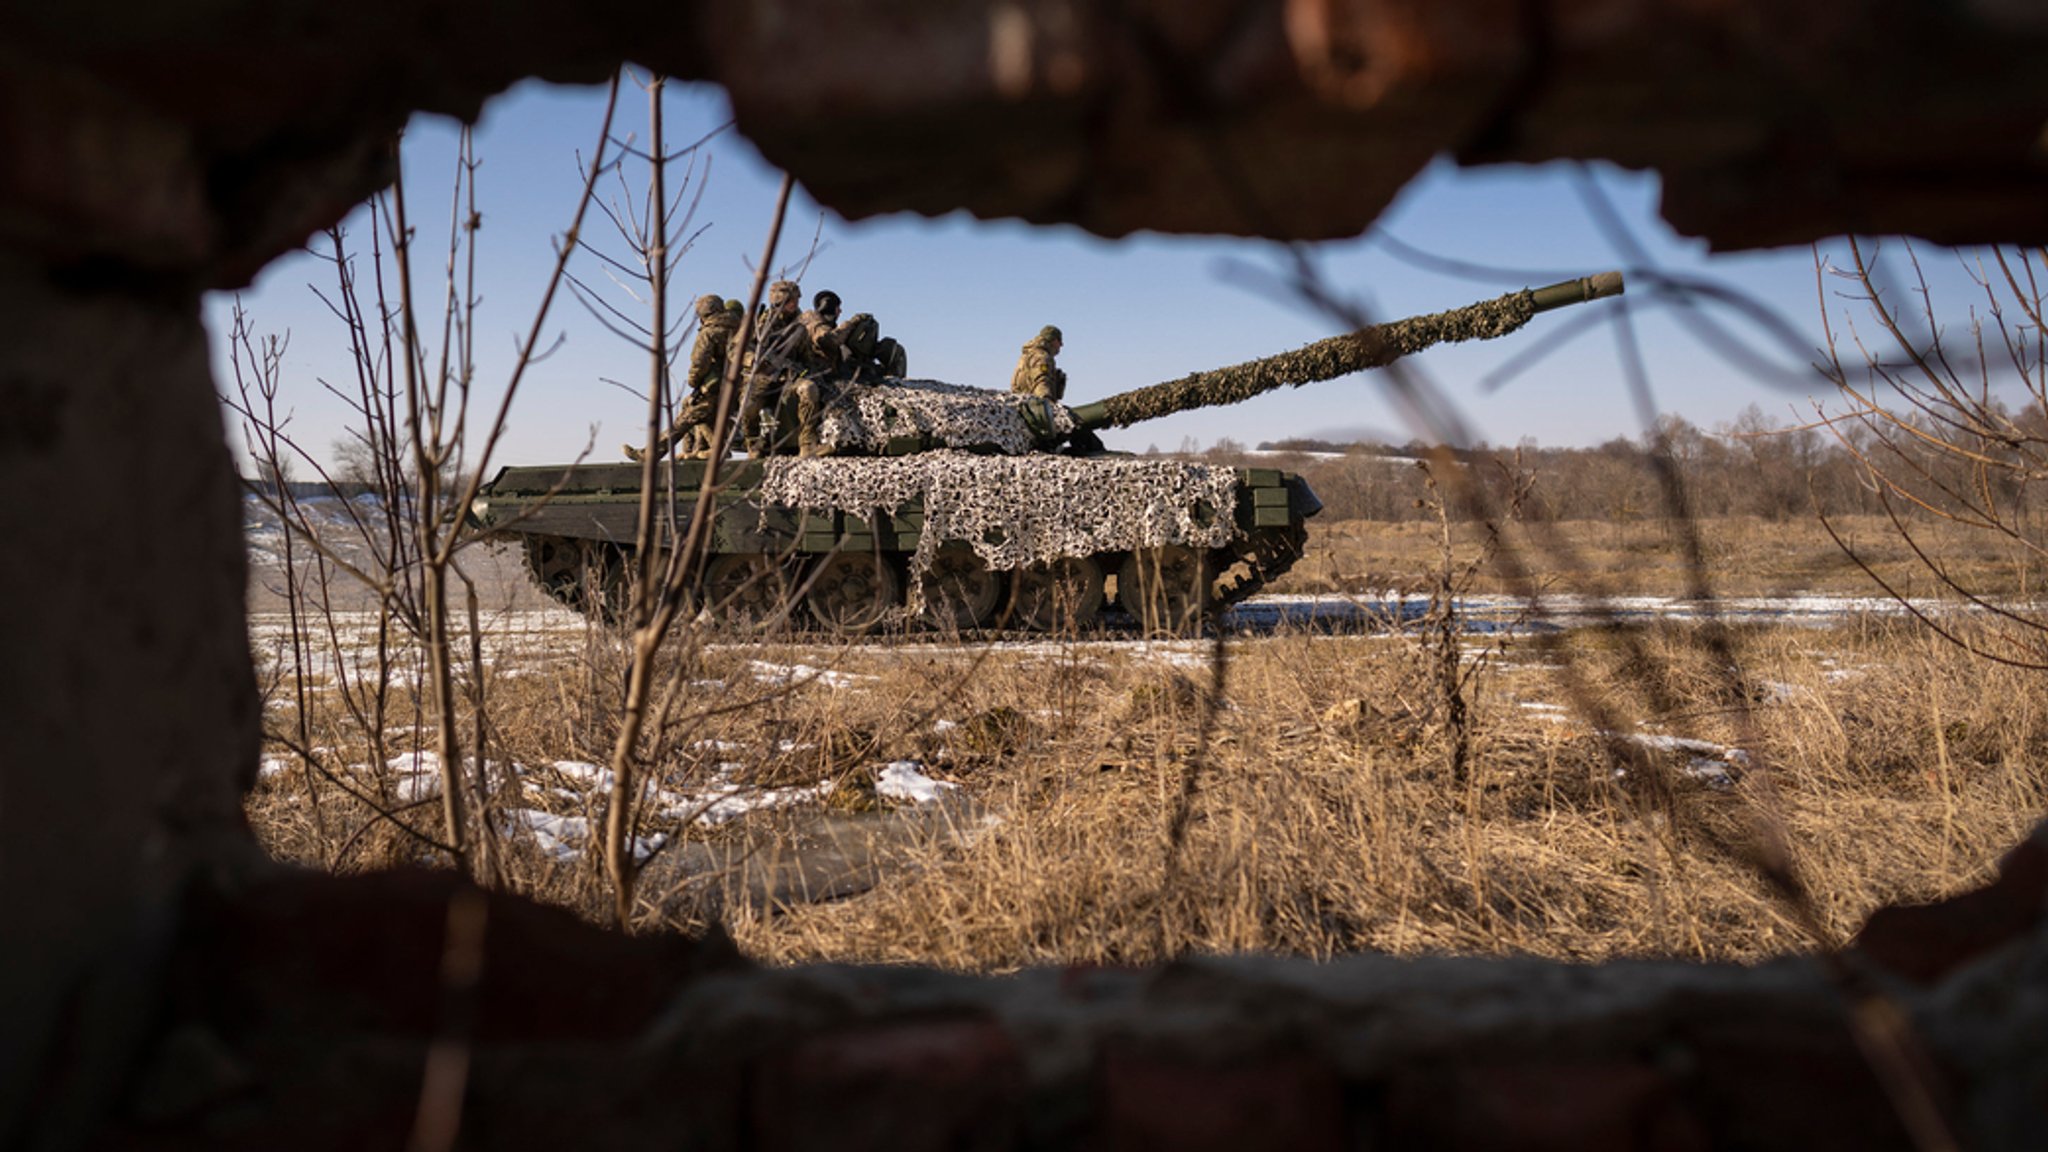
x=272 y=766
x=592 y=776
x=561 y=837
x=797 y=675
x=905 y=780
x=1713 y=773
x=1678 y=743
x=1779 y=692
x=418 y=775
x=1715 y=765
x=726 y=801
x=1176 y=653
x=564 y=837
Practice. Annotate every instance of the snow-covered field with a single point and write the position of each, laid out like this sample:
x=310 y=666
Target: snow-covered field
x=554 y=802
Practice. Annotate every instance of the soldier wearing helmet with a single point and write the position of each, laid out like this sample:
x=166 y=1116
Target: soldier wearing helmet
x=828 y=354
x=782 y=352
x=817 y=388
x=1037 y=374
x=716 y=326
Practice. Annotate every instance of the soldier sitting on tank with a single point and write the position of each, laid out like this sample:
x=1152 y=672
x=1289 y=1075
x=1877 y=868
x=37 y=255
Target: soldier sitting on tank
x=718 y=322
x=816 y=389
x=870 y=356
x=782 y=353
x=1036 y=373
x=820 y=324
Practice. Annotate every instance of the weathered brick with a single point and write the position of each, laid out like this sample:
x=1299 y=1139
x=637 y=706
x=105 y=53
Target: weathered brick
x=1286 y=1102
x=1595 y=1106
x=363 y=953
x=902 y=1086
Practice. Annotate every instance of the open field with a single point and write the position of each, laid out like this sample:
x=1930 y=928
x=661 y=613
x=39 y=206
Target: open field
x=1747 y=556
x=988 y=805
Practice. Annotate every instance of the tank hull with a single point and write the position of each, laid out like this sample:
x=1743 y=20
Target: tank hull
x=857 y=571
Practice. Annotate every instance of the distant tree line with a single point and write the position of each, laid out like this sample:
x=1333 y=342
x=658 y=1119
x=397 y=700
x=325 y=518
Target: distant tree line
x=1753 y=466
x=309 y=489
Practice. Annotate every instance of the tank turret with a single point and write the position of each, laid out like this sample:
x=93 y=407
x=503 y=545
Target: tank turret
x=967 y=508
x=910 y=416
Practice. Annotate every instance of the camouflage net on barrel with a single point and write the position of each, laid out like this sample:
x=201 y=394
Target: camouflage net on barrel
x=1373 y=347
x=865 y=418
x=1020 y=510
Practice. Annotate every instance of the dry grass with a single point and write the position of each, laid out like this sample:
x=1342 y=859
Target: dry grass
x=1748 y=556
x=1320 y=836
x=1325 y=820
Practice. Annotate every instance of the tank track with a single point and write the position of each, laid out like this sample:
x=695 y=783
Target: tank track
x=1270 y=554
x=580 y=574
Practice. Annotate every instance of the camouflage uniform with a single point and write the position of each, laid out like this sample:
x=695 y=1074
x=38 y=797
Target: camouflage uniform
x=870 y=356
x=1036 y=373
x=828 y=355
x=816 y=389
x=716 y=326
x=782 y=352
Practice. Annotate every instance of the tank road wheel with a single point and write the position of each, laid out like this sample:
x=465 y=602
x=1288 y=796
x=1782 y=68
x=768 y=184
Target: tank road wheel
x=1165 y=589
x=745 y=589
x=1062 y=596
x=960 y=591
x=854 y=593
x=579 y=574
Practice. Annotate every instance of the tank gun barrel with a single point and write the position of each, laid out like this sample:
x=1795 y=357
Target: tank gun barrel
x=1373 y=346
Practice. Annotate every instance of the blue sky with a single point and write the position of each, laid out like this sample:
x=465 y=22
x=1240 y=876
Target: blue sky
x=963 y=294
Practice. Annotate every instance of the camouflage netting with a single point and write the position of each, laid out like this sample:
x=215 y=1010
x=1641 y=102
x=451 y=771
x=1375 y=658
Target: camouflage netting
x=865 y=418
x=1373 y=347
x=1019 y=510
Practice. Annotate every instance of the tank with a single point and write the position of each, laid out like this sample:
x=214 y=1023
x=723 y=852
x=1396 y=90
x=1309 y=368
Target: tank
x=962 y=508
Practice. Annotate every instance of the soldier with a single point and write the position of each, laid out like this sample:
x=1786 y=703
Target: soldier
x=782 y=352
x=871 y=356
x=1036 y=373
x=817 y=389
x=819 y=324
x=716 y=325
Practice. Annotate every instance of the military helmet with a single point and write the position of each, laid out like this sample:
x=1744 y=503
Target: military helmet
x=826 y=302
x=734 y=306
x=709 y=306
x=1049 y=335
x=784 y=294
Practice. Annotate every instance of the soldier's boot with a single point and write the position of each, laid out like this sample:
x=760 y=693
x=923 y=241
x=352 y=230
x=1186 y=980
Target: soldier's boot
x=662 y=444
